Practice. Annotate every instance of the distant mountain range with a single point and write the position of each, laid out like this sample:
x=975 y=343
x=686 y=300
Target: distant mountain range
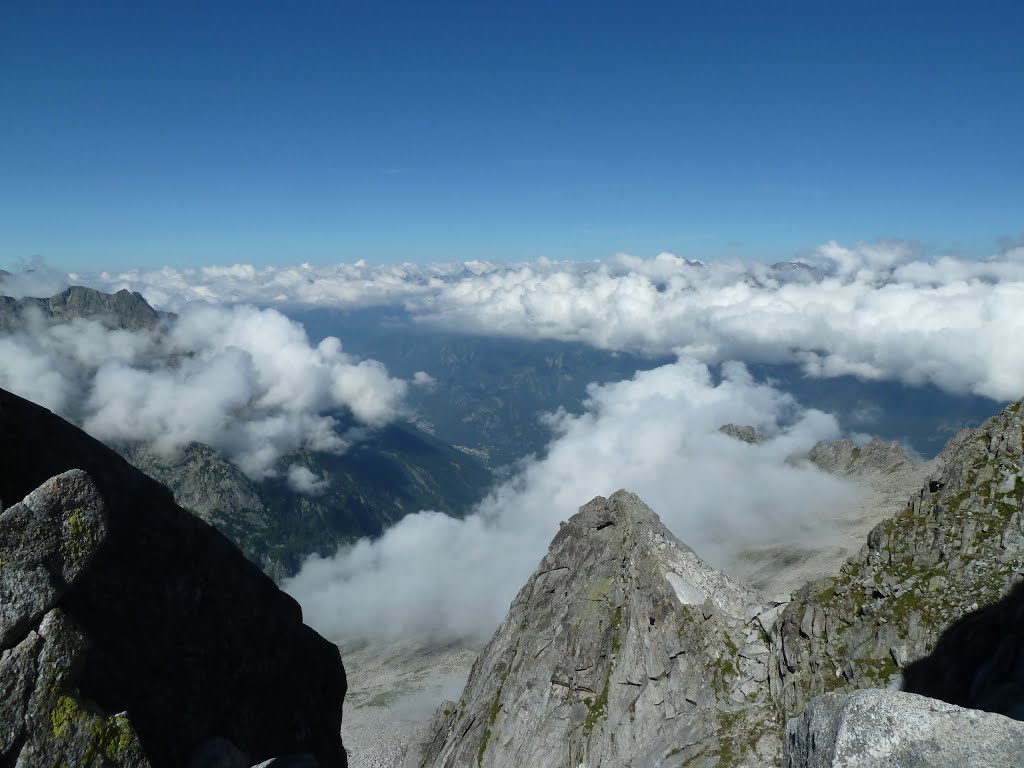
x=124 y=309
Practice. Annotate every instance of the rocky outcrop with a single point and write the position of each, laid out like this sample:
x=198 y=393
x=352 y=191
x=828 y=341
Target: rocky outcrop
x=744 y=433
x=958 y=544
x=46 y=543
x=844 y=457
x=134 y=632
x=623 y=648
x=125 y=310
x=890 y=729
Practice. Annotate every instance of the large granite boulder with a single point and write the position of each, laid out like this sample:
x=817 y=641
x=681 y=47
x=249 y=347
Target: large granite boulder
x=891 y=729
x=115 y=600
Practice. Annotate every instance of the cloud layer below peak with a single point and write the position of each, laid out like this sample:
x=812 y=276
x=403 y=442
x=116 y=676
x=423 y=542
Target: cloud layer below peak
x=876 y=311
x=434 y=577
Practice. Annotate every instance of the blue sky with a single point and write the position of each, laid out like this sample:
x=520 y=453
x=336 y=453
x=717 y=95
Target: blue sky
x=140 y=134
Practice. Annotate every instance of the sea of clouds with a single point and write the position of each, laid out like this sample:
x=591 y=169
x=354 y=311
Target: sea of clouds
x=876 y=311
x=446 y=580
x=248 y=381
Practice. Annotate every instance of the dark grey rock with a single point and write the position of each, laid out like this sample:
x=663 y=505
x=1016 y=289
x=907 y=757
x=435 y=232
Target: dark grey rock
x=125 y=310
x=218 y=752
x=744 y=433
x=290 y=761
x=60 y=727
x=45 y=543
x=178 y=629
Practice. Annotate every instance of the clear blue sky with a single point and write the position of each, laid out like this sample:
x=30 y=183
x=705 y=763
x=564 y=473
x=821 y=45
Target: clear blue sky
x=182 y=133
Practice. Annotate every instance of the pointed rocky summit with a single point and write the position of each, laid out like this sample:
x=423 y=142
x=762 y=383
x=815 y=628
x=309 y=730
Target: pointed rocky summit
x=623 y=648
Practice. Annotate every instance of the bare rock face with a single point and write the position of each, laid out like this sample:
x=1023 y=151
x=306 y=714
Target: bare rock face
x=742 y=432
x=132 y=632
x=844 y=457
x=890 y=729
x=125 y=310
x=48 y=542
x=623 y=648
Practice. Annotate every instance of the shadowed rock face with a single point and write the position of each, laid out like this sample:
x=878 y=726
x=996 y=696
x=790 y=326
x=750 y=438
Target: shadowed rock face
x=956 y=545
x=978 y=661
x=177 y=628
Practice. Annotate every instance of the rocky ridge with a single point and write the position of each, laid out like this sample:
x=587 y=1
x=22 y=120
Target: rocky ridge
x=624 y=647
x=957 y=544
x=392 y=472
x=125 y=310
x=134 y=634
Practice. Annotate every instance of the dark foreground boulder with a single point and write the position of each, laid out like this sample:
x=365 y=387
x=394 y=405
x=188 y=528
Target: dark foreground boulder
x=133 y=633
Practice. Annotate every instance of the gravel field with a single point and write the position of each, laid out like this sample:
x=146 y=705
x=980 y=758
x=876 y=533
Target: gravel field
x=392 y=691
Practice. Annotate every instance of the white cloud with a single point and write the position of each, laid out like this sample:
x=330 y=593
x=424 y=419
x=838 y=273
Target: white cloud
x=656 y=434
x=302 y=480
x=33 y=278
x=424 y=380
x=243 y=380
x=878 y=311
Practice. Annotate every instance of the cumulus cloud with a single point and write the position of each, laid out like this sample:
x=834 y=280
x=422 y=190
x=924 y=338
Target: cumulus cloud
x=876 y=311
x=246 y=381
x=424 y=380
x=656 y=434
x=302 y=480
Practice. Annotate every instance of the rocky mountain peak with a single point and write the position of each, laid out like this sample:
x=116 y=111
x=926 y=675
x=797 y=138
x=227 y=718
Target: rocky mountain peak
x=624 y=647
x=743 y=432
x=125 y=310
x=845 y=457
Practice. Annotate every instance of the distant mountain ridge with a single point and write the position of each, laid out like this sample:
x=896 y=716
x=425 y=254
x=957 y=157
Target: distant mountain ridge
x=125 y=309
